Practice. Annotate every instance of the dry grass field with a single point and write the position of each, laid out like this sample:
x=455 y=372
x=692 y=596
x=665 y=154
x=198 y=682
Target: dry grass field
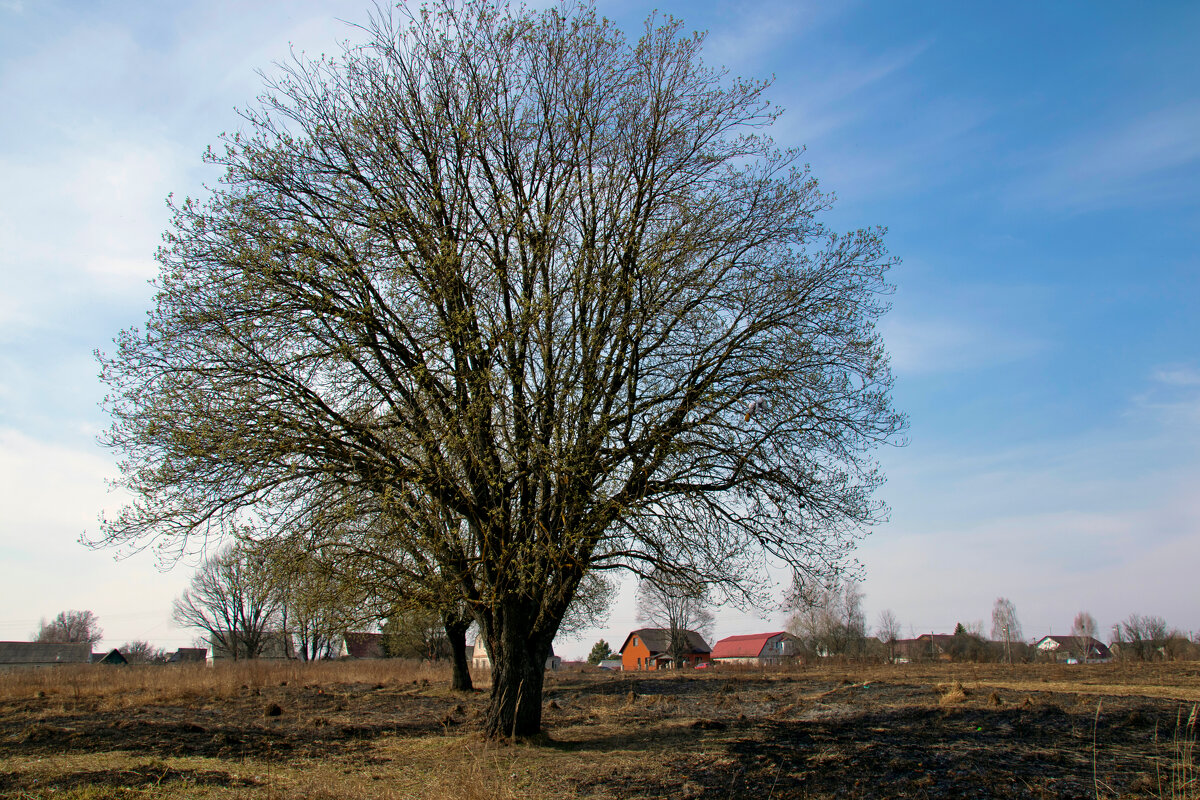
x=389 y=729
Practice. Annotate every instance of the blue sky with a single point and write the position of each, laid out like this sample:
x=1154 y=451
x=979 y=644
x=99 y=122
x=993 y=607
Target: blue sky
x=1036 y=166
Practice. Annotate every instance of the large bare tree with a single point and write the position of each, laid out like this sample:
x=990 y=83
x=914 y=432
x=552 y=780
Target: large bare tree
x=554 y=284
x=1006 y=627
x=1083 y=631
x=71 y=626
x=888 y=631
x=828 y=619
x=676 y=602
x=318 y=604
x=233 y=599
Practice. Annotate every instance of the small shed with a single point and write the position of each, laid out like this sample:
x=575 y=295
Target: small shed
x=113 y=658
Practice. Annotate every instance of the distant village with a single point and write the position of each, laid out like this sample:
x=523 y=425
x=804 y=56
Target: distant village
x=653 y=649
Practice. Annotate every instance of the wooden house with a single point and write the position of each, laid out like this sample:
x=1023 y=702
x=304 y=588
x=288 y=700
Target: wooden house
x=650 y=649
x=273 y=646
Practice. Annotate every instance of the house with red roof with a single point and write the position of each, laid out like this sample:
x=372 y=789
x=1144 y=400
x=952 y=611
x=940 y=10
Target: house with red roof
x=759 y=649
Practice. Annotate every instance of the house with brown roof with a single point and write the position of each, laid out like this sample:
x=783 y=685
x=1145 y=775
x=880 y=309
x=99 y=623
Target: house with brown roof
x=1074 y=649
x=363 y=645
x=758 y=649
x=650 y=649
x=926 y=647
x=43 y=654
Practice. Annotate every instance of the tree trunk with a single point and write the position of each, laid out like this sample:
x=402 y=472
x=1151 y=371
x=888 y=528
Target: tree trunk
x=518 y=659
x=456 y=626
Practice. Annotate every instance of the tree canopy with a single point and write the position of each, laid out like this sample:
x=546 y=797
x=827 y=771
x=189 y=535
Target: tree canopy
x=510 y=271
x=72 y=627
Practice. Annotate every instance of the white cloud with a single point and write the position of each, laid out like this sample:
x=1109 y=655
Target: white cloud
x=963 y=327
x=48 y=487
x=1105 y=519
x=823 y=98
x=81 y=230
x=51 y=494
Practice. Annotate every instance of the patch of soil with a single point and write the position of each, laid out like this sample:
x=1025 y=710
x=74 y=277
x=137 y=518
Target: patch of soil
x=144 y=775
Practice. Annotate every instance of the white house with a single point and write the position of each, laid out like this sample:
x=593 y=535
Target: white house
x=480 y=660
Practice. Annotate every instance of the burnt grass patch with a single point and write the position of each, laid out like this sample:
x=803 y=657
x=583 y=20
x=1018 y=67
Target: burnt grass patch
x=1034 y=750
x=938 y=732
x=286 y=723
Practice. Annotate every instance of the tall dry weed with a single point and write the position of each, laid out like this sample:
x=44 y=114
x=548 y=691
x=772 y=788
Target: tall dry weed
x=1176 y=776
x=1182 y=780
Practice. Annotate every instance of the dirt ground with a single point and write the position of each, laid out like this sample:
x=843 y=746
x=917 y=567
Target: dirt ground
x=937 y=731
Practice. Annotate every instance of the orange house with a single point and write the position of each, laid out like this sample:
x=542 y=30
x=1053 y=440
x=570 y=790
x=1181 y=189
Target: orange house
x=650 y=649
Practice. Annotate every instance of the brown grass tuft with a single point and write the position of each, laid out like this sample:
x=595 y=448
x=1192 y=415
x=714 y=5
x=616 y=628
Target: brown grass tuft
x=953 y=695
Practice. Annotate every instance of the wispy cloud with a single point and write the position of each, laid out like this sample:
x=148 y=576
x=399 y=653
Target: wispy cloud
x=1172 y=399
x=747 y=38
x=929 y=344
x=1152 y=158
x=962 y=328
x=1181 y=375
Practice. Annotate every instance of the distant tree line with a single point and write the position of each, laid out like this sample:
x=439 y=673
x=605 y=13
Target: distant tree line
x=830 y=623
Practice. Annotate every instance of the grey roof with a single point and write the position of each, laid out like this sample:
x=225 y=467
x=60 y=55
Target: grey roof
x=42 y=653
x=658 y=640
x=188 y=654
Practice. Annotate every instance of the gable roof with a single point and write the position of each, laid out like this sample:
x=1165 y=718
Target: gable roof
x=35 y=653
x=113 y=657
x=364 y=645
x=1096 y=648
x=188 y=654
x=748 y=645
x=658 y=640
